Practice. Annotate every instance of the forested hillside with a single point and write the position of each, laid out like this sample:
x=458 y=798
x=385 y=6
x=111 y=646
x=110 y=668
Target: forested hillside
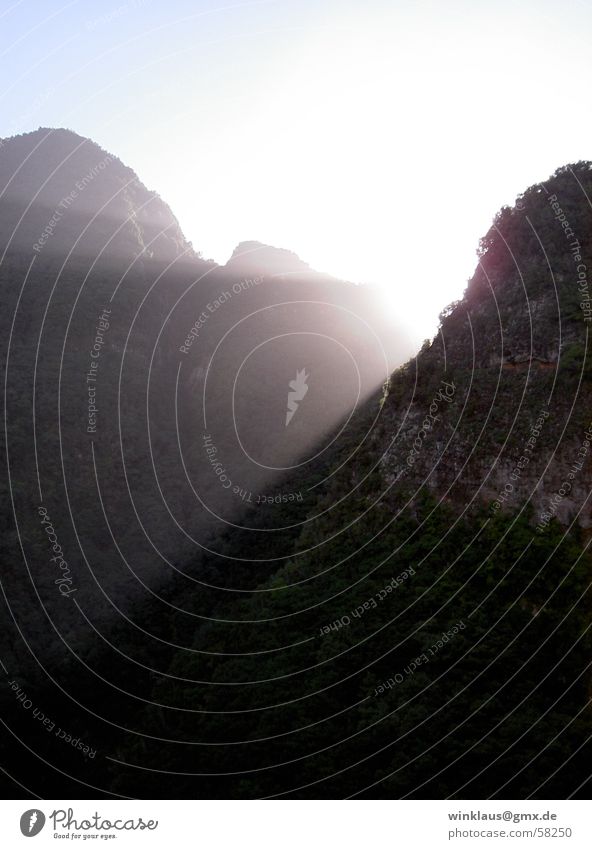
x=389 y=599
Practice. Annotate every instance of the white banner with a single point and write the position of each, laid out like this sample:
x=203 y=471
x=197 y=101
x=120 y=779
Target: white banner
x=297 y=824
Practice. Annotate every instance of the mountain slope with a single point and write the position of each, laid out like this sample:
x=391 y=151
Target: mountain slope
x=123 y=351
x=396 y=600
x=429 y=635
x=516 y=348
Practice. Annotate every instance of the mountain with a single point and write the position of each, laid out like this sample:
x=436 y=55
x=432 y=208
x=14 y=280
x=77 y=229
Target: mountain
x=147 y=389
x=60 y=191
x=427 y=633
x=516 y=349
x=257 y=258
x=294 y=578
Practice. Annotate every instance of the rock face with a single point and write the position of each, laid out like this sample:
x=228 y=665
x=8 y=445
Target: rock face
x=516 y=348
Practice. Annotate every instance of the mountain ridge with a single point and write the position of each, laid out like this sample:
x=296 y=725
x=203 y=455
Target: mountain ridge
x=394 y=596
x=55 y=183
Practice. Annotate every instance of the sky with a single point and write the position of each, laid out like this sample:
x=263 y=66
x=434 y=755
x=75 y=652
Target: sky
x=376 y=139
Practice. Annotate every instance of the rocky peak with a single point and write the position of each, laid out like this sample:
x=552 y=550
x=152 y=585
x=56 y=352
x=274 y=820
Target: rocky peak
x=257 y=258
x=61 y=191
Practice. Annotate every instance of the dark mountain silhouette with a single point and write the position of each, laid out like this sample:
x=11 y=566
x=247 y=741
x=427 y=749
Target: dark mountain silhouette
x=429 y=634
x=393 y=602
x=147 y=389
x=60 y=191
x=517 y=348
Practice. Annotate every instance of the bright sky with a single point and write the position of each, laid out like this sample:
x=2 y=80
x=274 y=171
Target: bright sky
x=376 y=139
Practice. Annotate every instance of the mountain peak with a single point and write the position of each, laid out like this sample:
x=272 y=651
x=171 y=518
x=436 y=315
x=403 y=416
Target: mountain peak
x=252 y=257
x=63 y=192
